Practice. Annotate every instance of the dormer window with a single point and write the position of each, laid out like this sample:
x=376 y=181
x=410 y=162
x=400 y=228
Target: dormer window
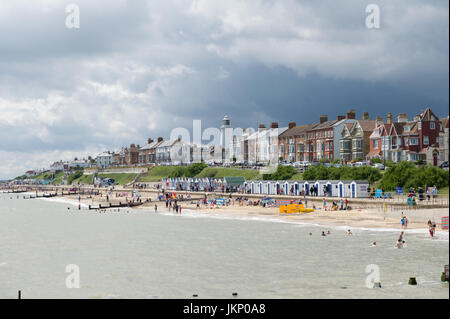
x=432 y=125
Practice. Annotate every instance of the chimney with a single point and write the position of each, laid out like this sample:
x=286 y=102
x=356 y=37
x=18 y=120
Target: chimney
x=274 y=125
x=323 y=118
x=291 y=124
x=340 y=117
x=402 y=118
x=379 y=119
x=149 y=140
x=389 y=118
x=351 y=114
x=261 y=127
x=160 y=139
x=365 y=116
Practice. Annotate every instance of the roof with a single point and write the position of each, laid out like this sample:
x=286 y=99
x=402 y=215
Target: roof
x=234 y=180
x=297 y=130
x=427 y=115
x=150 y=145
x=398 y=127
x=366 y=125
x=326 y=124
x=167 y=143
x=263 y=133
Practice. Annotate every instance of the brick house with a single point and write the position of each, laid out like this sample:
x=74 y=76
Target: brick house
x=354 y=143
x=407 y=140
x=322 y=138
x=147 y=153
x=292 y=143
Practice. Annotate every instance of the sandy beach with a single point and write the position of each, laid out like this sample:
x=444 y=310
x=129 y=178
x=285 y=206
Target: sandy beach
x=360 y=218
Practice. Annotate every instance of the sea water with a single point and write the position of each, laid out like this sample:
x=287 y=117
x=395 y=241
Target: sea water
x=143 y=254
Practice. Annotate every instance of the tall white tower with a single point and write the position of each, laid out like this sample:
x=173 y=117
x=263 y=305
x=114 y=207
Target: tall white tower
x=225 y=130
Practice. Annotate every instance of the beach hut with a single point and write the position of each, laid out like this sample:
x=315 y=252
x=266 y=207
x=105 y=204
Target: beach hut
x=306 y=186
x=358 y=189
x=260 y=188
x=265 y=187
x=296 y=188
x=320 y=185
x=333 y=187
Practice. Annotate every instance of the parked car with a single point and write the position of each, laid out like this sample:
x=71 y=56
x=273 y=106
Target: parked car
x=379 y=165
x=444 y=165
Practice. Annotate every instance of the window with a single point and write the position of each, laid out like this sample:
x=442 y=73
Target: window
x=420 y=125
x=406 y=141
x=375 y=144
x=414 y=141
x=425 y=140
x=432 y=125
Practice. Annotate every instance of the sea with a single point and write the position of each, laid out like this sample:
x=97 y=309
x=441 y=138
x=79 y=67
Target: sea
x=50 y=249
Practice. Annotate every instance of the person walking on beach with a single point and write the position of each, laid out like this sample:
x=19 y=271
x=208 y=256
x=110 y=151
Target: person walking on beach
x=342 y=204
x=431 y=228
x=324 y=204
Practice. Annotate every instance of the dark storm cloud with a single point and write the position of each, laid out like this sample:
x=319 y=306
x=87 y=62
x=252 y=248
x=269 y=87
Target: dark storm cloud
x=136 y=69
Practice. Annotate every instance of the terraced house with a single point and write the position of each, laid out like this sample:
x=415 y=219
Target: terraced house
x=354 y=143
x=147 y=153
x=407 y=140
x=292 y=143
x=322 y=138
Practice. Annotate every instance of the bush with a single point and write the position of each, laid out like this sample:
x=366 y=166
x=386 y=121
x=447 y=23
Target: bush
x=177 y=172
x=194 y=169
x=74 y=176
x=375 y=160
x=282 y=173
x=320 y=172
x=406 y=175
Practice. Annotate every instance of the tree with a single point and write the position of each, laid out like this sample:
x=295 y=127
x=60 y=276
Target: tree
x=282 y=173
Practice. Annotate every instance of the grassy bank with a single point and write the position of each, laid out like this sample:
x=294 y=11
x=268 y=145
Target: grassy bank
x=121 y=179
x=157 y=173
x=220 y=172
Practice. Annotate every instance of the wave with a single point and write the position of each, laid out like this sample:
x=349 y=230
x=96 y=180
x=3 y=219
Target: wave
x=440 y=235
x=64 y=201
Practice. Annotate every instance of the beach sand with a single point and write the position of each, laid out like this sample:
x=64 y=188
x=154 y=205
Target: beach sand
x=360 y=218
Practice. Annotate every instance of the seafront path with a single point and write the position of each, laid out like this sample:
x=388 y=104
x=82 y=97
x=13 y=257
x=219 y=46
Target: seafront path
x=397 y=202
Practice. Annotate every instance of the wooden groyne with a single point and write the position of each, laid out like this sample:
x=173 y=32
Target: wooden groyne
x=120 y=205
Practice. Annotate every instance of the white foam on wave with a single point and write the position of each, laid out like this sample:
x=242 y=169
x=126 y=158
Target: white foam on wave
x=64 y=201
x=440 y=235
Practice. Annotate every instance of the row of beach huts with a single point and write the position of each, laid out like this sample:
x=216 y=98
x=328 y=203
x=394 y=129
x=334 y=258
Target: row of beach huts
x=329 y=188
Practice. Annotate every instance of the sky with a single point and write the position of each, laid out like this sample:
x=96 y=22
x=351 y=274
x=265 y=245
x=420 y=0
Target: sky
x=137 y=69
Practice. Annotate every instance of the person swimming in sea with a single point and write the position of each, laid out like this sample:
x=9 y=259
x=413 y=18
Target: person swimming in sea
x=349 y=232
x=374 y=244
x=323 y=233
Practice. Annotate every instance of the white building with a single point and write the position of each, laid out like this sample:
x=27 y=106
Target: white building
x=104 y=159
x=76 y=163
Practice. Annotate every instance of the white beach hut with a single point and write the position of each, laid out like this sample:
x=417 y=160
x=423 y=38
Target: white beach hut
x=320 y=187
x=333 y=187
x=306 y=186
x=359 y=189
x=344 y=189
